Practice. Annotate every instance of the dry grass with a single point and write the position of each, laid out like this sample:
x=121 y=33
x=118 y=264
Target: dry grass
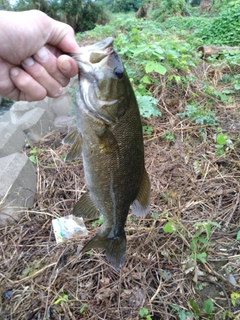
x=190 y=184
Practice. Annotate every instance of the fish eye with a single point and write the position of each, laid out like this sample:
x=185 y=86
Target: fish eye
x=118 y=73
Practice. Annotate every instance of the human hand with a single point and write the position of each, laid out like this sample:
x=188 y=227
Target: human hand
x=32 y=65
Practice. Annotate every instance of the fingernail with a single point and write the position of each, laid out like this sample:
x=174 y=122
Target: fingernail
x=56 y=95
x=28 y=62
x=14 y=72
x=66 y=66
x=42 y=54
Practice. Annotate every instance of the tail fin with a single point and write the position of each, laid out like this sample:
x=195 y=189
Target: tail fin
x=115 y=248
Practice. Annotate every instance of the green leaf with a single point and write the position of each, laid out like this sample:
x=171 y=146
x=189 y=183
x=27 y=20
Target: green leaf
x=169 y=227
x=154 y=66
x=141 y=49
x=195 y=307
x=134 y=30
x=219 y=146
x=238 y=235
x=208 y=230
x=63 y=298
x=208 y=306
x=155 y=215
x=33 y=159
x=146 y=79
x=143 y=312
x=219 y=152
x=201 y=256
x=204 y=241
x=98 y=222
x=147 y=106
x=222 y=138
x=176 y=308
x=213 y=223
x=235 y=298
x=83 y=307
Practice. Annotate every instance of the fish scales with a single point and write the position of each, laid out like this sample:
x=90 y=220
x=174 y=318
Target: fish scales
x=110 y=130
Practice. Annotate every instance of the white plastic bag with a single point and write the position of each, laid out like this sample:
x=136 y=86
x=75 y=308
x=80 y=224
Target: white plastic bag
x=67 y=226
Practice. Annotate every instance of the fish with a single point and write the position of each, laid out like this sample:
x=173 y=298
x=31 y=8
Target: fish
x=109 y=139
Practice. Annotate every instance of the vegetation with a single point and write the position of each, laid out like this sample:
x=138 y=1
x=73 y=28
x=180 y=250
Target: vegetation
x=81 y=15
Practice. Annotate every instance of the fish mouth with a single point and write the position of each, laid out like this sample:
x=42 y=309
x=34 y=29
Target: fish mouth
x=95 y=64
x=94 y=53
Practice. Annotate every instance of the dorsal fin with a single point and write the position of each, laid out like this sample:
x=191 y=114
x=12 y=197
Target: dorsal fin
x=141 y=205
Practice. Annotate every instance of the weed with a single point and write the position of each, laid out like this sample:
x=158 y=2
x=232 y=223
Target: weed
x=207 y=308
x=34 y=155
x=200 y=242
x=169 y=136
x=155 y=215
x=235 y=299
x=144 y=314
x=63 y=298
x=147 y=106
x=223 y=30
x=199 y=115
x=222 y=143
x=98 y=222
x=82 y=310
x=238 y=235
x=182 y=314
x=148 y=130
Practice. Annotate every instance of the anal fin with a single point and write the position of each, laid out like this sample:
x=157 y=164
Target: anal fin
x=141 y=205
x=85 y=208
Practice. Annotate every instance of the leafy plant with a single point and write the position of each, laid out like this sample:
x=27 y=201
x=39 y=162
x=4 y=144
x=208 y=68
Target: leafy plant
x=199 y=115
x=168 y=8
x=34 y=155
x=200 y=242
x=98 y=222
x=148 y=130
x=170 y=226
x=182 y=314
x=82 y=310
x=147 y=106
x=207 y=308
x=63 y=298
x=144 y=314
x=221 y=140
x=224 y=29
x=235 y=299
x=169 y=136
x=238 y=235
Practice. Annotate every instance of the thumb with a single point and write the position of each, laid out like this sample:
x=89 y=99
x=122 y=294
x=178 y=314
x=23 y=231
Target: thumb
x=62 y=36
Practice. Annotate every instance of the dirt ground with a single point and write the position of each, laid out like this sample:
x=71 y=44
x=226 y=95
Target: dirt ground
x=166 y=274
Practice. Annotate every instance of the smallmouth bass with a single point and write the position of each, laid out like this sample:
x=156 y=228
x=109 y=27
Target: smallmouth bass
x=109 y=138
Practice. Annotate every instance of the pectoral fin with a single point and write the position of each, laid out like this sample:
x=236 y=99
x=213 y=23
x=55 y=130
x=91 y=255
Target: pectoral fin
x=76 y=149
x=141 y=205
x=71 y=137
x=107 y=141
x=85 y=208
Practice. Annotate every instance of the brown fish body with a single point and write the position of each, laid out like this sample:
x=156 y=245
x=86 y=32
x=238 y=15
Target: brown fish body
x=109 y=124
